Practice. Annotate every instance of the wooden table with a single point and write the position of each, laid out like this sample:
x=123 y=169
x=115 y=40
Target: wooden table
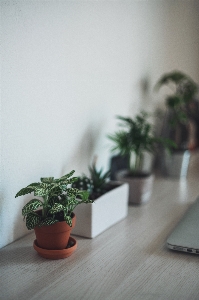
x=128 y=261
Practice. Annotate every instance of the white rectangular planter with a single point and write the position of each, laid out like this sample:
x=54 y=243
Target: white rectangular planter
x=107 y=210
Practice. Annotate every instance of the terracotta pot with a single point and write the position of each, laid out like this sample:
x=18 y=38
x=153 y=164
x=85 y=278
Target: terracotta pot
x=54 y=237
x=57 y=254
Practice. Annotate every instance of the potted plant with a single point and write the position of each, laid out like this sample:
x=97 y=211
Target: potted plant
x=180 y=122
x=53 y=222
x=110 y=203
x=135 y=140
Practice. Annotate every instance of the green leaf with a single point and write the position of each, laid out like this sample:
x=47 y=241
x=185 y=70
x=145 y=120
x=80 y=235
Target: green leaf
x=71 y=180
x=47 y=222
x=25 y=191
x=72 y=191
x=31 y=206
x=98 y=178
x=174 y=101
x=55 y=191
x=71 y=204
x=174 y=76
x=68 y=220
x=65 y=177
x=47 y=179
x=40 y=192
x=136 y=137
x=57 y=207
x=32 y=220
x=34 y=184
x=84 y=195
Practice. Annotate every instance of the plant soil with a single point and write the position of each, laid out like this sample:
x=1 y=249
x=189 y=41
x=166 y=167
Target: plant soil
x=106 y=189
x=136 y=175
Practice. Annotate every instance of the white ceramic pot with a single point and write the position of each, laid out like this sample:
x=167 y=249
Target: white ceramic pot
x=140 y=188
x=176 y=164
x=107 y=210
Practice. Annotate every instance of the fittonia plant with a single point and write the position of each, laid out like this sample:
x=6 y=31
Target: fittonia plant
x=58 y=201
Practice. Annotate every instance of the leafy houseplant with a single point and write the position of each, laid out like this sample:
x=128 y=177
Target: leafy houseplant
x=183 y=91
x=57 y=205
x=134 y=139
x=181 y=122
x=109 y=207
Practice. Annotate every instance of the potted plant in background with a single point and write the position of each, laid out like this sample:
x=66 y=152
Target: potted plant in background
x=181 y=121
x=110 y=203
x=135 y=140
x=53 y=222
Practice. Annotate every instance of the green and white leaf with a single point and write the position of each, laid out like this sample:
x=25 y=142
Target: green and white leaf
x=57 y=207
x=65 y=177
x=55 y=191
x=72 y=191
x=24 y=191
x=34 y=184
x=71 y=180
x=62 y=187
x=72 y=203
x=68 y=220
x=47 y=222
x=47 y=179
x=31 y=206
x=56 y=198
x=32 y=220
x=40 y=192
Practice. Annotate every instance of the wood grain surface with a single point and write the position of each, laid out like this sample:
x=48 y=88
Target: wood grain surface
x=128 y=261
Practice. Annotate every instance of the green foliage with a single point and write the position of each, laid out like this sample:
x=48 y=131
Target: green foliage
x=58 y=203
x=32 y=220
x=98 y=178
x=95 y=185
x=136 y=137
x=84 y=183
x=184 y=91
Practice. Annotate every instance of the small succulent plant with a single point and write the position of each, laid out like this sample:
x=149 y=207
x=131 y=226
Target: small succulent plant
x=83 y=183
x=99 y=178
x=95 y=184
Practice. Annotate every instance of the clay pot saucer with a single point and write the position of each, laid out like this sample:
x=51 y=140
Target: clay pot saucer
x=57 y=254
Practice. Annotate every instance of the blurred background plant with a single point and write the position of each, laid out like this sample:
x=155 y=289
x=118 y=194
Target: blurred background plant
x=136 y=137
x=182 y=117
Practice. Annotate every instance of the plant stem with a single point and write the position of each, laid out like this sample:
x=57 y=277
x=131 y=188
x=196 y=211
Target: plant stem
x=138 y=161
x=44 y=210
x=135 y=161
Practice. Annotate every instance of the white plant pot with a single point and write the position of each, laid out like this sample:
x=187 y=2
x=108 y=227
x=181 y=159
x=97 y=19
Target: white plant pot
x=140 y=188
x=176 y=164
x=107 y=210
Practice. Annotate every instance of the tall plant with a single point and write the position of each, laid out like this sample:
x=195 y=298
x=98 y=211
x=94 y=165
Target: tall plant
x=136 y=137
x=183 y=90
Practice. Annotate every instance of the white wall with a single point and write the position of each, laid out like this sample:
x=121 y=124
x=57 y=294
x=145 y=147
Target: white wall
x=67 y=68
